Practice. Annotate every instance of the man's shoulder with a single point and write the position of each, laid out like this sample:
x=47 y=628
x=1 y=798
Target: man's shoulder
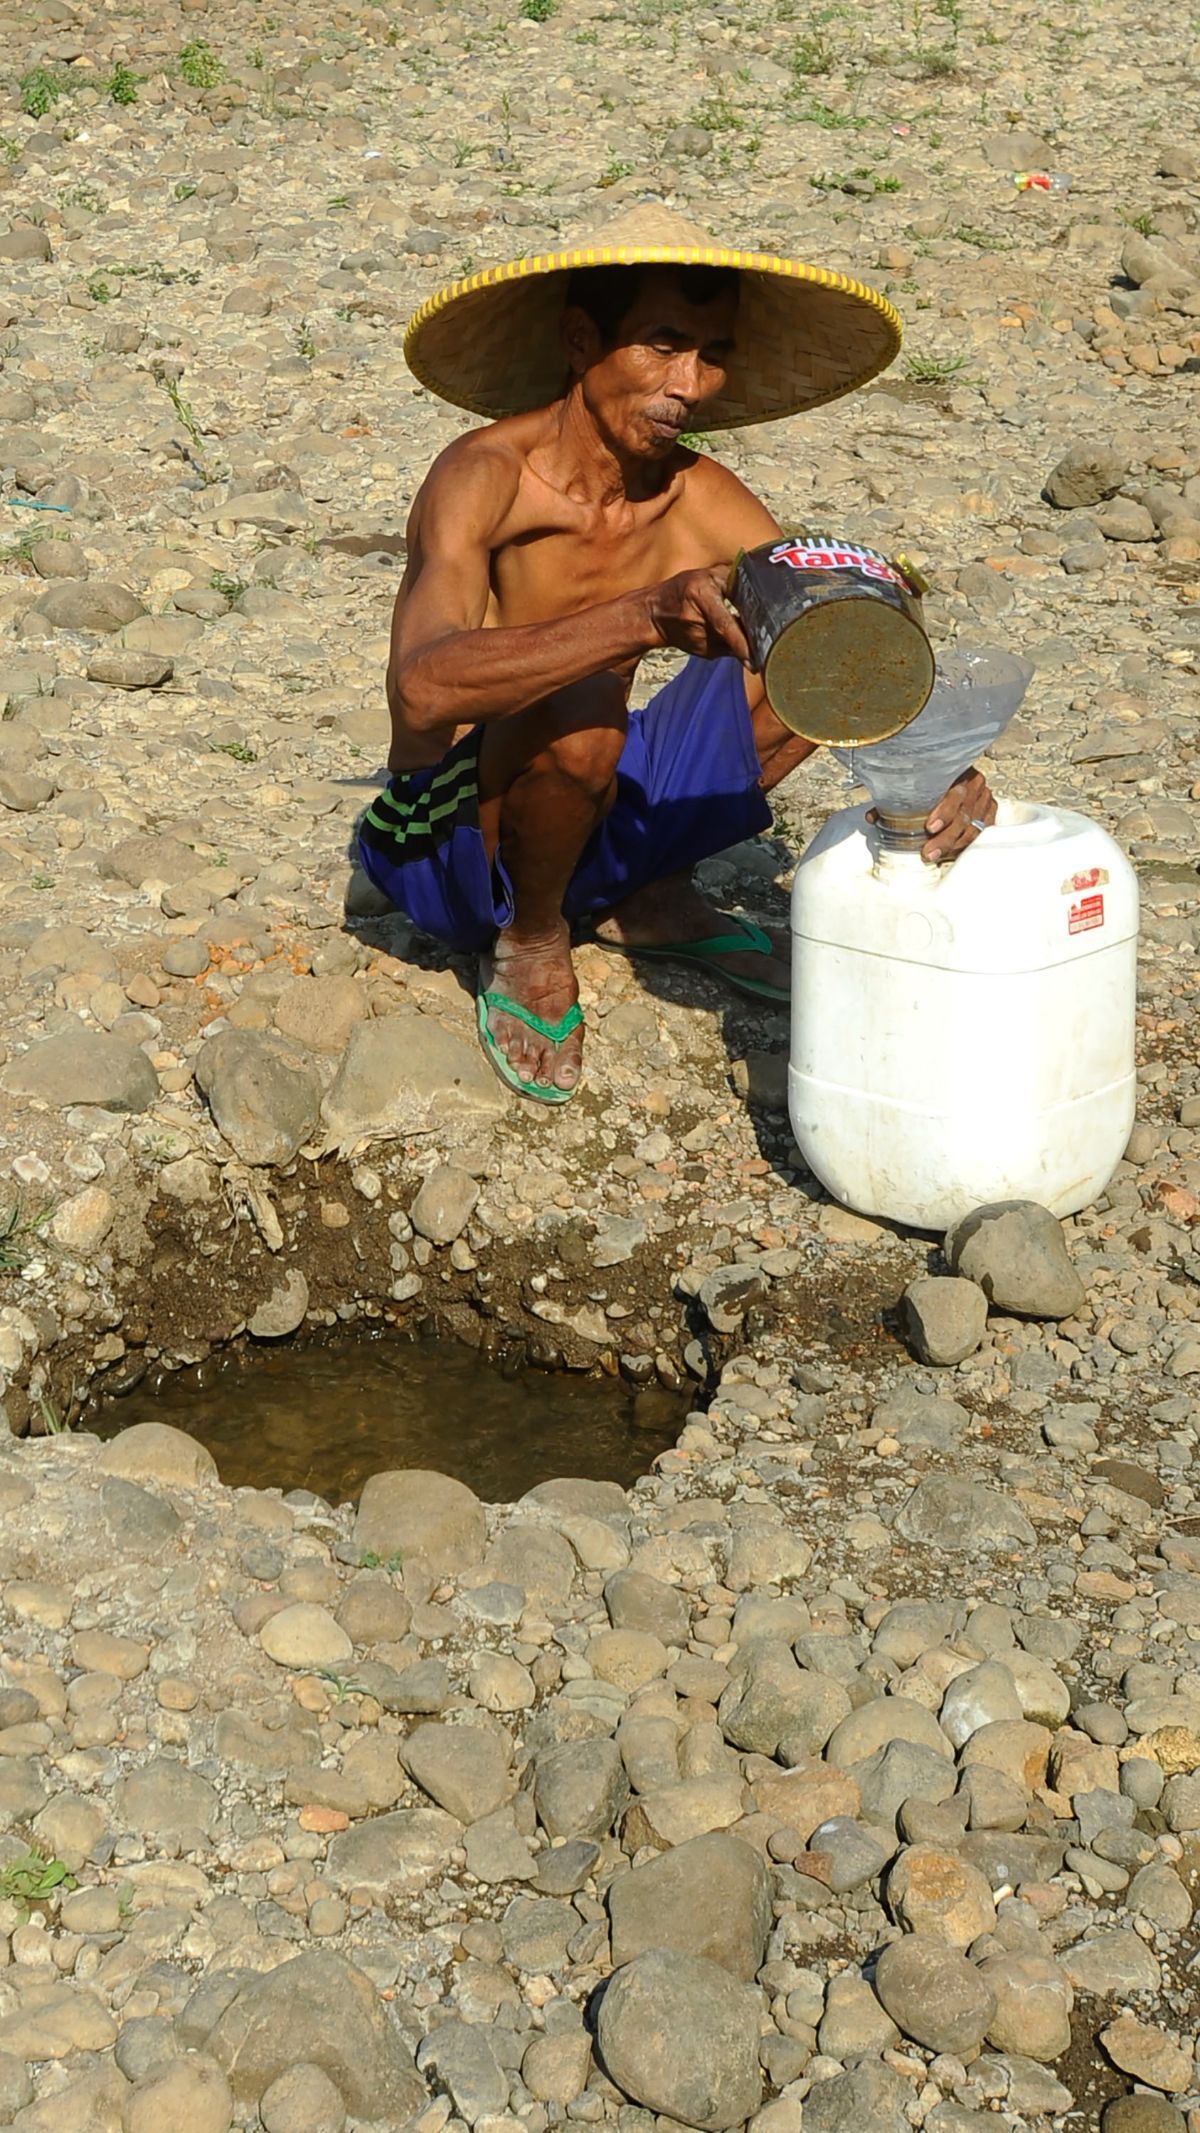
x=715 y=493
x=492 y=451
x=475 y=478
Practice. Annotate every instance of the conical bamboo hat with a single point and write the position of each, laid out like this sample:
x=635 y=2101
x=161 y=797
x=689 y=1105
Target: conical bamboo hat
x=804 y=334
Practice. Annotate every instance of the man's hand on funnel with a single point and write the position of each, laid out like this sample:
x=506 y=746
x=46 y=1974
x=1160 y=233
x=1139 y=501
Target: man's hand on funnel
x=960 y=814
x=968 y=807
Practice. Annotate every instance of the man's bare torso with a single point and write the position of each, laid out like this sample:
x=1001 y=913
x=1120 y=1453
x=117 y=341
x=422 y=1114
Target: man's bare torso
x=553 y=553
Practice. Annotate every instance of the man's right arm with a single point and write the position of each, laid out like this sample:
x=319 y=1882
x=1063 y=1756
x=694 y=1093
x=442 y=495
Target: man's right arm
x=447 y=670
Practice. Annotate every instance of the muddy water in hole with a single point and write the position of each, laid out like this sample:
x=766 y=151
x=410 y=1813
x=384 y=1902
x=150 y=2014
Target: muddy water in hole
x=324 y=1418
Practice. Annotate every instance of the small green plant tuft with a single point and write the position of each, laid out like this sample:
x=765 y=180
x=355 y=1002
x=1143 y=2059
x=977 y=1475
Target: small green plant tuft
x=538 y=10
x=614 y=170
x=342 y=1685
x=17 y=1233
x=10 y=149
x=40 y=89
x=812 y=112
x=197 y=455
x=229 y=587
x=305 y=344
x=370 y=1559
x=21 y=550
x=54 y=1422
x=936 y=370
x=812 y=55
x=718 y=114
x=199 y=64
x=84 y=196
x=157 y=1148
x=122 y=84
x=33 y=1878
x=862 y=181
x=185 y=189
x=240 y=751
x=983 y=240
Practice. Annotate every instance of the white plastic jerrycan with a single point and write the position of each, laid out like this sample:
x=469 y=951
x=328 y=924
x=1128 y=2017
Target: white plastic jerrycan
x=962 y=1033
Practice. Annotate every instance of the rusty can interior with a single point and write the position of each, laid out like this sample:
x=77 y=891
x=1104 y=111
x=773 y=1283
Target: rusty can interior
x=849 y=671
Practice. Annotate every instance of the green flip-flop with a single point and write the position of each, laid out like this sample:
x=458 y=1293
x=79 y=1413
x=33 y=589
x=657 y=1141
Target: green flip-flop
x=555 y=1032
x=749 y=940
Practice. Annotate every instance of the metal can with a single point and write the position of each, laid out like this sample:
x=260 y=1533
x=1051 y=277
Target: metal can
x=836 y=633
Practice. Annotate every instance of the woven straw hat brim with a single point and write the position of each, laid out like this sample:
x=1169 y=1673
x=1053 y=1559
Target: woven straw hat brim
x=805 y=335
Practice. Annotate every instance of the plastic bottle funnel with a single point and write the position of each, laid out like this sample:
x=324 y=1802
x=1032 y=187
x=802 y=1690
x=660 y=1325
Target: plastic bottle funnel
x=977 y=691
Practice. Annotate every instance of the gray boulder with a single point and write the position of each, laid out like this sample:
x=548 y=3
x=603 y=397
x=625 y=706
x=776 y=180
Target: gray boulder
x=680 y=2036
x=1112 y=1964
x=580 y=1788
x=1087 y=474
x=902 y=1770
x=1018 y=149
x=868 y=2098
x=1142 y=2114
x=282 y=1308
x=25 y=240
x=393 y=1855
x=1033 y=2005
x=168 y=1803
x=411 y=1511
x=929 y=1420
x=960 y=1516
x=83 y=1066
x=773 y=1699
x=89 y=604
x=934 y=1994
x=464 y=1769
x=726 y=1295
x=1016 y=1252
x=122 y=666
x=318 y=2010
x=945 y=1318
x=263 y=1094
x=444 y=1205
x=402 y=1070
x=636 y=1601
x=710 y=1896
x=461 y=2055
x=149 y=856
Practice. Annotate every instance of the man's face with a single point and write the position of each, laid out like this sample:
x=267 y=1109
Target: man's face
x=669 y=357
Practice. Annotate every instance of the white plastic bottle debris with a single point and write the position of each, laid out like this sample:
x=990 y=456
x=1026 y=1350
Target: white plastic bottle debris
x=961 y=1033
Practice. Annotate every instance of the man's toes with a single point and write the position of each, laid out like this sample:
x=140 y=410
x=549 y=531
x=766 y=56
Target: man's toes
x=526 y=1056
x=513 y=1039
x=566 y=1071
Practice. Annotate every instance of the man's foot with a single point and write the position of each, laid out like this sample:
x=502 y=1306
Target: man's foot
x=537 y=974
x=673 y=914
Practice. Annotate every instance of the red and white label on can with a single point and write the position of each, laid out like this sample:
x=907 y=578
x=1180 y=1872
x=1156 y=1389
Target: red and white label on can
x=1086 y=915
x=835 y=555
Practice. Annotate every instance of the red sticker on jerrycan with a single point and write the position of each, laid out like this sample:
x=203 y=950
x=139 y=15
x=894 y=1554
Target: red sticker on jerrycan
x=1086 y=915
